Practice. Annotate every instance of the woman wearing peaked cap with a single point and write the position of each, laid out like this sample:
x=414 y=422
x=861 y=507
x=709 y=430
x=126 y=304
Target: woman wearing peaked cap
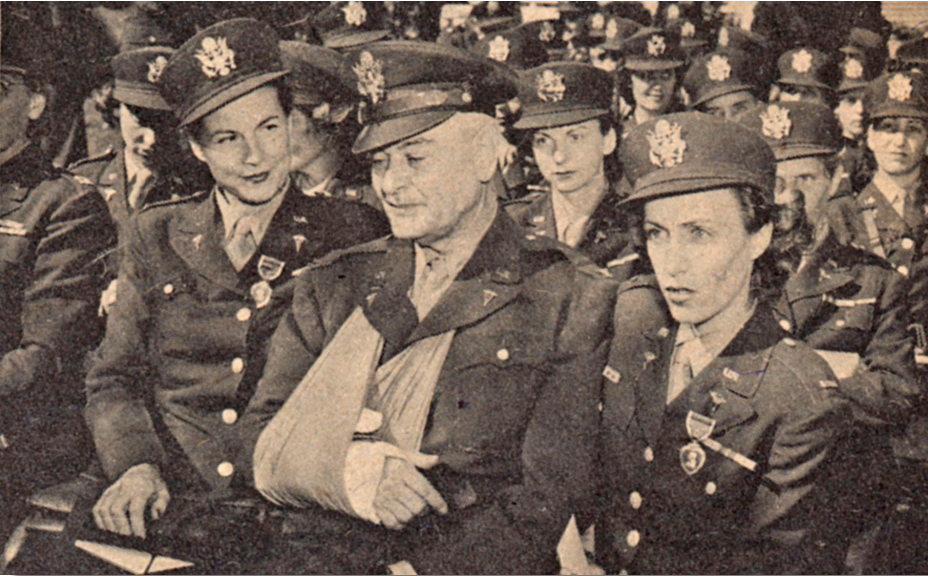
x=715 y=423
x=652 y=60
x=566 y=114
x=204 y=281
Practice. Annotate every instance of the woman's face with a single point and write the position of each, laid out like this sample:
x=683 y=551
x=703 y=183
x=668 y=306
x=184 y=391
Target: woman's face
x=701 y=252
x=570 y=157
x=308 y=139
x=898 y=144
x=653 y=89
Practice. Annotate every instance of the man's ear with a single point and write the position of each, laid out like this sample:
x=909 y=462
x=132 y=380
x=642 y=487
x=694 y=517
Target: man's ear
x=37 y=103
x=870 y=138
x=197 y=150
x=609 y=142
x=760 y=241
x=486 y=153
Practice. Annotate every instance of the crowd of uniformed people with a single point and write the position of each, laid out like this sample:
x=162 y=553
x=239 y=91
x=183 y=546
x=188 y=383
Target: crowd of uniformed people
x=592 y=292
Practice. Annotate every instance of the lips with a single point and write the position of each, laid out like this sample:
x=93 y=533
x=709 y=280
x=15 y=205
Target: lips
x=258 y=178
x=678 y=295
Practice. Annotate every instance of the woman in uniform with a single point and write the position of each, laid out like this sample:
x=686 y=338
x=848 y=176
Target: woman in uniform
x=716 y=425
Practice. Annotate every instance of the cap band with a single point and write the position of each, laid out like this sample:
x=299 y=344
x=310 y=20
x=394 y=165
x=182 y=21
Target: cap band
x=412 y=101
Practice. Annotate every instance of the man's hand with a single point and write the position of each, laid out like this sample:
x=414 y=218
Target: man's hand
x=404 y=493
x=122 y=507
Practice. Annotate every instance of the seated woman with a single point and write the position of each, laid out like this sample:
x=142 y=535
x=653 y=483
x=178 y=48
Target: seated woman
x=716 y=425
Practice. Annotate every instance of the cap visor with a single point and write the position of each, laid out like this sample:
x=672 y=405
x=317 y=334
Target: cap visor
x=652 y=65
x=141 y=98
x=898 y=111
x=801 y=151
x=721 y=91
x=812 y=83
x=228 y=93
x=670 y=181
x=551 y=119
x=355 y=39
x=393 y=130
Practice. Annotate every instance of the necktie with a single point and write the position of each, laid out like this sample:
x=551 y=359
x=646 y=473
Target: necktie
x=137 y=186
x=242 y=246
x=681 y=368
x=574 y=232
x=430 y=284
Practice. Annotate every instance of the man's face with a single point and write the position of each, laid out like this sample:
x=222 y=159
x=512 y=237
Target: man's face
x=430 y=182
x=246 y=145
x=701 y=252
x=307 y=139
x=850 y=113
x=653 y=89
x=570 y=157
x=805 y=178
x=15 y=103
x=898 y=144
x=729 y=106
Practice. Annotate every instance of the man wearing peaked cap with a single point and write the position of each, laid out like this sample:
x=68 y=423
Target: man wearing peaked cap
x=203 y=281
x=481 y=407
x=804 y=75
x=322 y=126
x=720 y=83
x=652 y=58
x=566 y=114
x=706 y=404
x=345 y=25
x=868 y=348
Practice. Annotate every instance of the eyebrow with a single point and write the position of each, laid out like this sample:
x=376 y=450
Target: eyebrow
x=411 y=143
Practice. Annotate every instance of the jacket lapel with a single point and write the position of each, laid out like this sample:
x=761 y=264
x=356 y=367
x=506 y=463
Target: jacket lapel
x=386 y=304
x=651 y=386
x=197 y=238
x=20 y=175
x=490 y=280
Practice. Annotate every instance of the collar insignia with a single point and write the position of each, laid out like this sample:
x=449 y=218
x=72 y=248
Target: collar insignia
x=550 y=86
x=215 y=56
x=719 y=68
x=723 y=37
x=299 y=240
x=667 y=146
x=802 y=61
x=371 y=82
x=197 y=240
x=777 y=124
x=270 y=268
x=488 y=296
x=612 y=29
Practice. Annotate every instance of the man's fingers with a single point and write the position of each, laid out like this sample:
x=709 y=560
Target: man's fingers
x=418 y=484
x=137 y=516
x=118 y=509
x=423 y=461
x=162 y=498
x=388 y=519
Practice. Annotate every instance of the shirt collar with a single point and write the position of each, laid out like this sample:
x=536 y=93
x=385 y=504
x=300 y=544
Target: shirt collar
x=232 y=210
x=712 y=337
x=890 y=190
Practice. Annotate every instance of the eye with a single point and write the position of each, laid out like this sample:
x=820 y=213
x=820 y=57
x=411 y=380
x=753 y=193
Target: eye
x=699 y=233
x=379 y=162
x=653 y=233
x=576 y=137
x=414 y=160
x=539 y=140
x=271 y=126
x=224 y=139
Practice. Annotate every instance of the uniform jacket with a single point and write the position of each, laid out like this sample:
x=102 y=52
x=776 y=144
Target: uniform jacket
x=513 y=416
x=186 y=339
x=847 y=300
x=607 y=242
x=773 y=401
x=52 y=235
x=353 y=192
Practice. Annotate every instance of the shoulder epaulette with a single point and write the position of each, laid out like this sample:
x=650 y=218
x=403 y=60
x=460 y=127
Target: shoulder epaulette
x=529 y=198
x=373 y=247
x=807 y=366
x=107 y=154
x=175 y=200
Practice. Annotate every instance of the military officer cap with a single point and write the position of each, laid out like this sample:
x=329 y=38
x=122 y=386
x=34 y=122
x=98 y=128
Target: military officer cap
x=346 y=24
x=617 y=32
x=316 y=74
x=562 y=93
x=857 y=69
x=740 y=39
x=897 y=94
x=692 y=151
x=718 y=73
x=691 y=41
x=218 y=65
x=653 y=49
x=26 y=49
x=519 y=48
x=795 y=129
x=136 y=73
x=409 y=87
x=804 y=67
x=862 y=42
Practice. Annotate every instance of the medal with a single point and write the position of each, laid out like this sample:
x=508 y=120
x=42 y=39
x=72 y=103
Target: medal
x=261 y=293
x=692 y=458
x=270 y=268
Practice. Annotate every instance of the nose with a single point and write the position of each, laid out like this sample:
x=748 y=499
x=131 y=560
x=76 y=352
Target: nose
x=254 y=152
x=558 y=155
x=673 y=258
x=393 y=179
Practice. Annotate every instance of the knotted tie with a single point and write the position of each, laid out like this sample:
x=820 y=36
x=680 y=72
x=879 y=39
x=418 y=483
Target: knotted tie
x=430 y=284
x=242 y=246
x=681 y=368
x=138 y=185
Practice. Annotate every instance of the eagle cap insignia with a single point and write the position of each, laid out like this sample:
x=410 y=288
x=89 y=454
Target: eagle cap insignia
x=598 y=22
x=547 y=33
x=550 y=86
x=355 y=14
x=657 y=46
x=900 y=87
x=853 y=69
x=369 y=71
x=719 y=69
x=667 y=145
x=499 y=49
x=802 y=61
x=215 y=56
x=688 y=30
x=673 y=12
x=155 y=68
x=776 y=122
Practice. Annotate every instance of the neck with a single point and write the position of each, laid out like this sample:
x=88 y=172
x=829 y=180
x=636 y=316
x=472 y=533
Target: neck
x=641 y=115
x=736 y=313
x=13 y=150
x=321 y=168
x=586 y=199
x=470 y=229
x=908 y=182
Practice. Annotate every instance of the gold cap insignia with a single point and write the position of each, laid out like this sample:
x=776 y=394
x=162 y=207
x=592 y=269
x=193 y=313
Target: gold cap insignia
x=355 y=14
x=371 y=82
x=657 y=46
x=719 y=69
x=155 y=68
x=546 y=34
x=900 y=87
x=499 y=49
x=688 y=30
x=667 y=146
x=776 y=122
x=215 y=56
x=550 y=86
x=802 y=61
x=853 y=69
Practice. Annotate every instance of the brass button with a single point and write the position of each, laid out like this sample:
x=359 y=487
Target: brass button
x=168 y=289
x=238 y=365
x=502 y=354
x=635 y=500
x=711 y=487
x=784 y=324
x=648 y=454
x=243 y=315
x=633 y=538
x=225 y=469
x=229 y=416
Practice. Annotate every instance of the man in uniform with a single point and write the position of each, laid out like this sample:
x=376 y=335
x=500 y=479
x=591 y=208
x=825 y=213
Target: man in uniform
x=566 y=111
x=53 y=232
x=204 y=280
x=850 y=306
x=715 y=424
x=462 y=353
x=321 y=129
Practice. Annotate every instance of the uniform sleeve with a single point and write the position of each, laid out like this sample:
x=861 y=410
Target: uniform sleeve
x=520 y=533
x=59 y=316
x=119 y=391
x=885 y=389
x=293 y=349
